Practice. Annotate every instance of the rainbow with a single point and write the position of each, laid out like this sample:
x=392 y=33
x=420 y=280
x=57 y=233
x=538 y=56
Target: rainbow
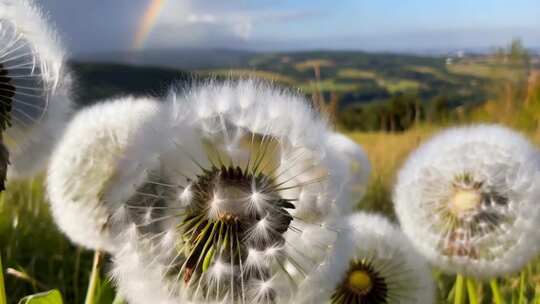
x=147 y=23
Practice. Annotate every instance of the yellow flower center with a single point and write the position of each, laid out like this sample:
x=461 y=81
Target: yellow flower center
x=360 y=282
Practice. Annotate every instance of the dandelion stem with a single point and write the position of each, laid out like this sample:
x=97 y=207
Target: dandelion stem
x=471 y=291
x=522 y=287
x=496 y=293
x=459 y=288
x=3 y=298
x=94 y=278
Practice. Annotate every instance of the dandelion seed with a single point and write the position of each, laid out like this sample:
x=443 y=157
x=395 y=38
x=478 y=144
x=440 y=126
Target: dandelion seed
x=245 y=182
x=468 y=200
x=372 y=262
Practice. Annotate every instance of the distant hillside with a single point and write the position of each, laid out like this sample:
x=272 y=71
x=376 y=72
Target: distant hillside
x=358 y=77
x=94 y=82
x=197 y=59
x=186 y=59
x=356 y=83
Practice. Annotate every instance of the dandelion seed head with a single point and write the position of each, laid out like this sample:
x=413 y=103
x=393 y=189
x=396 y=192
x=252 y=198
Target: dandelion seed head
x=35 y=88
x=372 y=262
x=244 y=180
x=468 y=197
x=84 y=166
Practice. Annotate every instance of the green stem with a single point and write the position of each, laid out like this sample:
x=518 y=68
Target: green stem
x=522 y=287
x=496 y=293
x=3 y=298
x=94 y=278
x=471 y=291
x=458 y=292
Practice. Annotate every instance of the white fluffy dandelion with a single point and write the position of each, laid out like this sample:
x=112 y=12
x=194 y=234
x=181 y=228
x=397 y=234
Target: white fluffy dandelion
x=352 y=157
x=85 y=164
x=34 y=106
x=468 y=199
x=372 y=262
x=249 y=162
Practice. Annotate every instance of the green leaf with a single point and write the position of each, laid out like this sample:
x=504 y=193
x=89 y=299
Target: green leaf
x=105 y=293
x=49 y=297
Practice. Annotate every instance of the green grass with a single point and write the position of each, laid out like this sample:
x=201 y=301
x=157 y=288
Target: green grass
x=350 y=73
x=397 y=86
x=310 y=64
x=36 y=255
x=483 y=70
x=327 y=85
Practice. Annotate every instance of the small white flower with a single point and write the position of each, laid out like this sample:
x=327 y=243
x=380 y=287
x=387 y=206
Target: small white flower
x=372 y=262
x=468 y=199
x=85 y=164
x=34 y=106
x=253 y=161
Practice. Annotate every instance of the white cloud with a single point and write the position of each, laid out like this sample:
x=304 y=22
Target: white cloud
x=194 y=23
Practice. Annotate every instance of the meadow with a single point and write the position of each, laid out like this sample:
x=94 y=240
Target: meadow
x=37 y=257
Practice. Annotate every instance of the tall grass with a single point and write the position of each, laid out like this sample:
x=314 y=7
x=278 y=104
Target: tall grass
x=387 y=152
x=36 y=256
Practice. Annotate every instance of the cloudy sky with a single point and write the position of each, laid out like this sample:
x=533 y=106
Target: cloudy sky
x=89 y=26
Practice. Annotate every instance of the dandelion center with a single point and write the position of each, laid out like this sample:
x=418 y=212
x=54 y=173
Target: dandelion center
x=464 y=201
x=474 y=210
x=362 y=284
x=233 y=212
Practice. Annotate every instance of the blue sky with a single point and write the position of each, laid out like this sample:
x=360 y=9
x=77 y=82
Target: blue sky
x=389 y=25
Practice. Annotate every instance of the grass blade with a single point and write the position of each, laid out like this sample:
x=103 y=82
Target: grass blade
x=522 y=287
x=3 y=298
x=458 y=293
x=497 y=298
x=472 y=292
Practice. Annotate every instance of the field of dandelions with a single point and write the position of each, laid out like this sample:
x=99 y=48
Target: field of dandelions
x=239 y=191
